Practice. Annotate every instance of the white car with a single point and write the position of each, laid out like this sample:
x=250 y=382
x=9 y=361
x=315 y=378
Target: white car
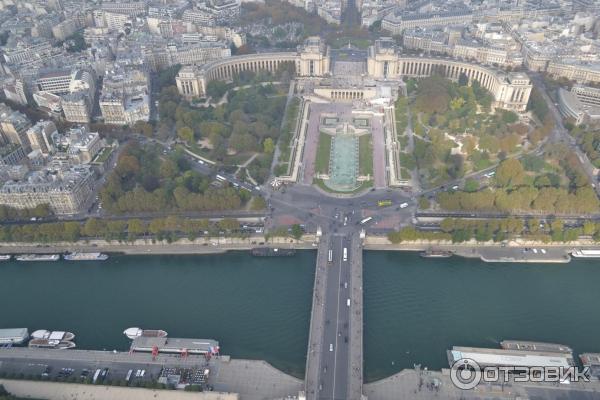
x=403 y=205
x=330 y=346
x=534 y=251
x=543 y=251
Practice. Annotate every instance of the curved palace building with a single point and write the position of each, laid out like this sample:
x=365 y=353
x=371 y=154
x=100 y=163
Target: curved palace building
x=350 y=74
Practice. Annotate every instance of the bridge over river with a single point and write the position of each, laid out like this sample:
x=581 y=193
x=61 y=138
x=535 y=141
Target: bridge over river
x=334 y=360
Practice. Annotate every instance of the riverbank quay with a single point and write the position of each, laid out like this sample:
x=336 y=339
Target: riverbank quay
x=69 y=391
x=245 y=379
x=214 y=245
x=419 y=384
x=514 y=251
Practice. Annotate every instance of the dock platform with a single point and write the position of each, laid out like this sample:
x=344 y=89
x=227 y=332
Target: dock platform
x=174 y=345
x=510 y=358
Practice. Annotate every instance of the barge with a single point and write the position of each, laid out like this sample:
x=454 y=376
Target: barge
x=535 y=346
x=51 y=344
x=272 y=252
x=77 y=256
x=436 y=253
x=54 y=335
x=182 y=346
x=586 y=253
x=133 y=333
x=37 y=257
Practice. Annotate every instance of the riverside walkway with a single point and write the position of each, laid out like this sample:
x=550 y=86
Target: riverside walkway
x=334 y=359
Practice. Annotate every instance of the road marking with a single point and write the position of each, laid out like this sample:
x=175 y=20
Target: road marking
x=337 y=319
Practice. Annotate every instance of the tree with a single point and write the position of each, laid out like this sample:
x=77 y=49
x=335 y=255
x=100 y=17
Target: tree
x=229 y=224
x=297 y=231
x=463 y=79
x=216 y=89
x=268 y=146
x=509 y=117
x=510 y=173
x=589 y=228
x=93 y=227
x=71 y=231
x=186 y=134
x=471 y=185
x=537 y=104
x=136 y=227
x=258 y=203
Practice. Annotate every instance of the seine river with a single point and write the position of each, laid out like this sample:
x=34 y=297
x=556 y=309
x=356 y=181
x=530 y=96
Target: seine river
x=415 y=309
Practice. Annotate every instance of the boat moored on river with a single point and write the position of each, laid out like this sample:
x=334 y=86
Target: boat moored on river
x=535 y=346
x=586 y=253
x=51 y=344
x=436 y=253
x=133 y=333
x=77 y=256
x=5 y=257
x=53 y=335
x=272 y=252
x=37 y=257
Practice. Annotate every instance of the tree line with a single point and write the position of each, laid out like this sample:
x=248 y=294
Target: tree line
x=460 y=230
x=168 y=228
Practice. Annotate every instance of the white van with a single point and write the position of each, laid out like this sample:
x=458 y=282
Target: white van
x=348 y=302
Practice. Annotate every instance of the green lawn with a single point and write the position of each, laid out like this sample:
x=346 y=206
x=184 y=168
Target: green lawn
x=365 y=155
x=323 y=152
x=288 y=130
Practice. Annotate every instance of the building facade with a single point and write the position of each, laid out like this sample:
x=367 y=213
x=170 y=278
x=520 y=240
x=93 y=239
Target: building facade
x=511 y=91
x=66 y=191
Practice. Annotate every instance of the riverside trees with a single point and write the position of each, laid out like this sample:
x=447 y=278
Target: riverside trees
x=517 y=189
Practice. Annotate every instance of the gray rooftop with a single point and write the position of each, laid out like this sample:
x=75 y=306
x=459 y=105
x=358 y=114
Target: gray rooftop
x=14 y=332
x=174 y=345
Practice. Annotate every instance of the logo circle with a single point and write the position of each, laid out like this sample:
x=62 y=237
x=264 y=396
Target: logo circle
x=465 y=374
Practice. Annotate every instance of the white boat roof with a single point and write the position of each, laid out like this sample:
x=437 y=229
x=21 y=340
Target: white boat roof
x=56 y=335
x=590 y=251
x=511 y=358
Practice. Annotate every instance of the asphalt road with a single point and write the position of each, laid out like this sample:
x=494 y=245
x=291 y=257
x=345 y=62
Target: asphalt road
x=334 y=366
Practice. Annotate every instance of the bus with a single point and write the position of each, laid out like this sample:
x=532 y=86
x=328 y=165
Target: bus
x=384 y=203
x=364 y=221
x=345 y=254
x=330 y=256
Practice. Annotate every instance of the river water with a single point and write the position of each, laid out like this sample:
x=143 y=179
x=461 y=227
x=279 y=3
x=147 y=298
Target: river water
x=415 y=309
